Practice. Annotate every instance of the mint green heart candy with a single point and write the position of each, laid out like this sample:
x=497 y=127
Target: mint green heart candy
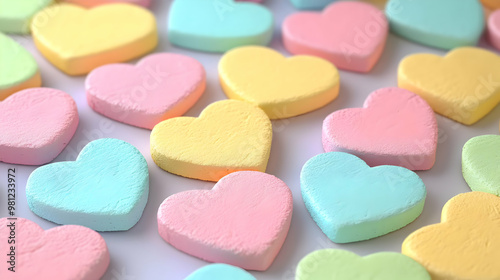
x=333 y=264
x=15 y=15
x=218 y=26
x=481 y=163
x=220 y=271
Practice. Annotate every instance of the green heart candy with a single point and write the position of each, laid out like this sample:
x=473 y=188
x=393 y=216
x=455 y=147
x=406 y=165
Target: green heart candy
x=334 y=264
x=15 y=15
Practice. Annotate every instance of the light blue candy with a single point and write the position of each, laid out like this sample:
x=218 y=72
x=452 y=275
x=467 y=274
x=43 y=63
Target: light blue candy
x=444 y=24
x=352 y=202
x=218 y=25
x=220 y=271
x=311 y=4
x=105 y=189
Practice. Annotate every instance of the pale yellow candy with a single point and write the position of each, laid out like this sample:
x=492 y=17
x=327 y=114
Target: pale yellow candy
x=466 y=244
x=229 y=136
x=282 y=87
x=77 y=40
x=463 y=86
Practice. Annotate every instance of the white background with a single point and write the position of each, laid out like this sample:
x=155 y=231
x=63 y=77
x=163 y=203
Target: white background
x=140 y=253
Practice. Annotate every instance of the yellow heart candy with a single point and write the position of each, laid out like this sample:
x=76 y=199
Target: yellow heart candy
x=77 y=40
x=463 y=86
x=466 y=244
x=282 y=87
x=228 y=136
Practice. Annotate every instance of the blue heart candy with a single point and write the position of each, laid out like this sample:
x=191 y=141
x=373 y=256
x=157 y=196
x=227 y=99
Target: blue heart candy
x=218 y=26
x=352 y=202
x=105 y=189
x=445 y=24
x=311 y=4
x=220 y=271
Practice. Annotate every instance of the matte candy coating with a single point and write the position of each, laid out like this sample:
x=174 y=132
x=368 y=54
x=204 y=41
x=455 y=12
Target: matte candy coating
x=352 y=202
x=311 y=4
x=282 y=87
x=481 y=163
x=491 y=4
x=60 y=253
x=465 y=245
x=16 y=15
x=159 y=87
x=351 y=35
x=441 y=24
x=494 y=28
x=220 y=271
x=77 y=40
x=105 y=189
x=463 y=85
x=93 y=3
x=218 y=26
x=19 y=69
x=394 y=127
x=242 y=221
x=332 y=264
x=229 y=136
x=36 y=124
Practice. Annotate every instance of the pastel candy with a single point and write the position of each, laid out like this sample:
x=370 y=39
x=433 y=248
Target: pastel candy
x=491 y=4
x=394 y=127
x=159 y=87
x=243 y=221
x=481 y=163
x=494 y=28
x=77 y=252
x=93 y=3
x=351 y=35
x=461 y=85
x=105 y=189
x=228 y=136
x=19 y=69
x=15 y=16
x=311 y=4
x=220 y=271
x=341 y=264
x=110 y=34
x=218 y=26
x=282 y=87
x=36 y=124
x=352 y=202
x=441 y=24
x=465 y=245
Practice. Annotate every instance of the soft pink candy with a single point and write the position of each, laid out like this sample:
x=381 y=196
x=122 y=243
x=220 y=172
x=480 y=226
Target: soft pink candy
x=395 y=127
x=60 y=253
x=350 y=34
x=242 y=221
x=494 y=29
x=36 y=124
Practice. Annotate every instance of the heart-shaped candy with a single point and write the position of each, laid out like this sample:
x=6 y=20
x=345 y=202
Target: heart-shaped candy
x=229 y=136
x=330 y=264
x=463 y=86
x=93 y=3
x=395 y=127
x=491 y=4
x=218 y=26
x=77 y=40
x=481 y=163
x=19 y=69
x=352 y=202
x=105 y=189
x=159 y=87
x=60 y=253
x=36 y=124
x=494 y=29
x=311 y=4
x=282 y=87
x=351 y=35
x=441 y=24
x=15 y=16
x=220 y=271
x=465 y=245
x=242 y=221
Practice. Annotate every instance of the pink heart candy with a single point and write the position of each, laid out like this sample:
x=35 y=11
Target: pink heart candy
x=60 y=253
x=242 y=221
x=494 y=29
x=350 y=34
x=160 y=86
x=36 y=124
x=395 y=127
